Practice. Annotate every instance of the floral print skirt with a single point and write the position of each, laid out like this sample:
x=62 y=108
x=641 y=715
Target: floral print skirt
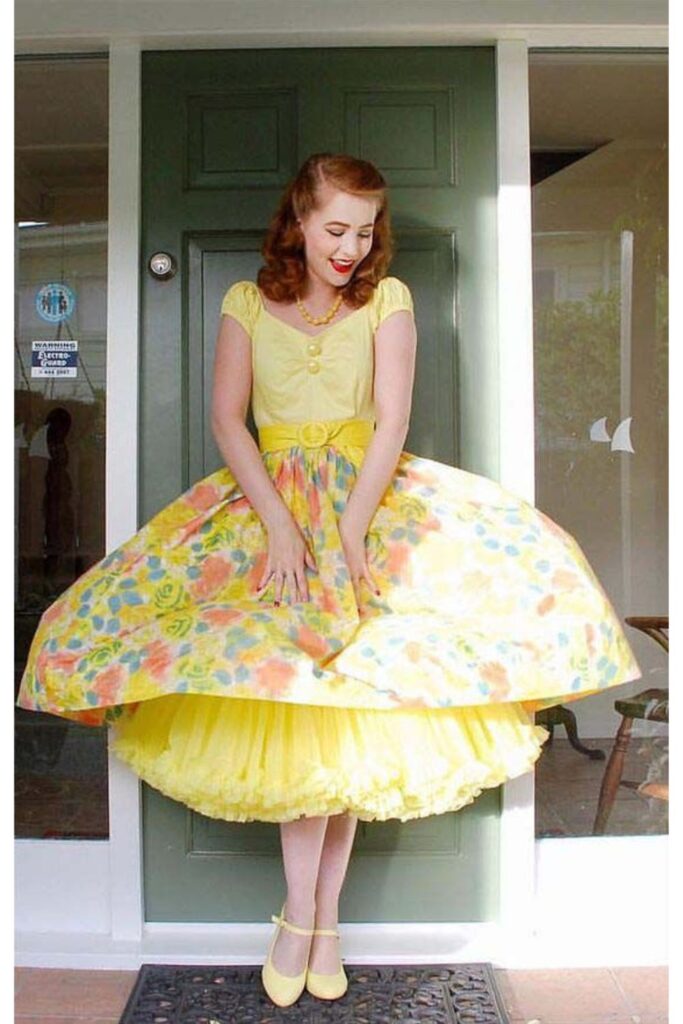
x=397 y=705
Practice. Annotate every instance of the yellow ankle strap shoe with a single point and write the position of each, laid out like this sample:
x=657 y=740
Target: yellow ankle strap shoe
x=283 y=989
x=327 y=986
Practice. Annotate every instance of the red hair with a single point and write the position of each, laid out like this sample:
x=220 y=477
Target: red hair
x=284 y=271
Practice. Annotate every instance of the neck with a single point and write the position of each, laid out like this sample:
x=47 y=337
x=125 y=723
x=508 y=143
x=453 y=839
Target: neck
x=318 y=295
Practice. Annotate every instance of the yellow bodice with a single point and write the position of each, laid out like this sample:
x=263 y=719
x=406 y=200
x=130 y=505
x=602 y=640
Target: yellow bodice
x=297 y=377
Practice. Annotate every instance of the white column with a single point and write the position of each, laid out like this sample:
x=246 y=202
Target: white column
x=515 y=346
x=125 y=831
x=515 y=301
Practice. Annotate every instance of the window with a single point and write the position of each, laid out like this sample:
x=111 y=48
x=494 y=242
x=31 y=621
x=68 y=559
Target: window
x=60 y=403
x=599 y=207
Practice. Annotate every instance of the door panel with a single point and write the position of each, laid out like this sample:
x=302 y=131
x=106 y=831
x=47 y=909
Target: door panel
x=223 y=133
x=441 y=868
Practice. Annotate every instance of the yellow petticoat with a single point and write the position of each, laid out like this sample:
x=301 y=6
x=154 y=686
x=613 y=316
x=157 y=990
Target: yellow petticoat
x=246 y=760
x=398 y=704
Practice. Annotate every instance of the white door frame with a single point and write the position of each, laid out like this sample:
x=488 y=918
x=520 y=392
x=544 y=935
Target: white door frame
x=97 y=919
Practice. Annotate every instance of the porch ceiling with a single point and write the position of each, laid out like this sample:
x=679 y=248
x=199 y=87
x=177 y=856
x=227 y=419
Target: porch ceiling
x=73 y=25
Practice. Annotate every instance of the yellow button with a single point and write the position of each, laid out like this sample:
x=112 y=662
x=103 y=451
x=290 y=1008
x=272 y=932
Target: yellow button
x=313 y=366
x=313 y=348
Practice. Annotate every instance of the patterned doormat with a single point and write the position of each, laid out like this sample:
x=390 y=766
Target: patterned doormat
x=377 y=994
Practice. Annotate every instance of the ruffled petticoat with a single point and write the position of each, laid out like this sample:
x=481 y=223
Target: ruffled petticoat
x=245 y=760
x=406 y=706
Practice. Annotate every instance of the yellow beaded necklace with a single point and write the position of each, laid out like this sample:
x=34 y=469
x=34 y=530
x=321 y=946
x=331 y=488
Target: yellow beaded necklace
x=325 y=319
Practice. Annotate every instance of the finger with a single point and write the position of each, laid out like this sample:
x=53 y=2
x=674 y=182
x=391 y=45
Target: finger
x=293 y=584
x=302 y=586
x=290 y=582
x=371 y=581
x=279 y=583
x=268 y=572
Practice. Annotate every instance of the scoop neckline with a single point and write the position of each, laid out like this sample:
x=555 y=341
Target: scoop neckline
x=298 y=330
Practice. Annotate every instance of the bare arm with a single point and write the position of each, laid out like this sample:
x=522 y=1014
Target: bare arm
x=229 y=404
x=287 y=552
x=395 y=347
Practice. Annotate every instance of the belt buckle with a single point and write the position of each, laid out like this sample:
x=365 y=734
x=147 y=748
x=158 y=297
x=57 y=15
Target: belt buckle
x=314 y=434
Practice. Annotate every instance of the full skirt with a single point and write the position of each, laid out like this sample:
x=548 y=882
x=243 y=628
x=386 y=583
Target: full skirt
x=397 y=705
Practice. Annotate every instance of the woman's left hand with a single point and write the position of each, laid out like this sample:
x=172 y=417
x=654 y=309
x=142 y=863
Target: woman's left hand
x=353 y=542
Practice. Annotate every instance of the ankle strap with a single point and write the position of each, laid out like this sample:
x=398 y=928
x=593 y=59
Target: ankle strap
x=279 y=919
x=326 y=931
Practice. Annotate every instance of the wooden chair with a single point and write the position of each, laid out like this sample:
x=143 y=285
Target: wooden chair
x=651 y=704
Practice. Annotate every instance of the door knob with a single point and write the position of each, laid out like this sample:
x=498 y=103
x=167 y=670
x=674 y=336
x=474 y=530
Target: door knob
x=162 y=266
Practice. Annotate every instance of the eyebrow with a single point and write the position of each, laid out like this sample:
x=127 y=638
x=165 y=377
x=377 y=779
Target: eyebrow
x=343 y=225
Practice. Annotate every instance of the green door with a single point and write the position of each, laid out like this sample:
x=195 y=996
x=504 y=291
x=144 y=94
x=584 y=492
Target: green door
x=223 y=133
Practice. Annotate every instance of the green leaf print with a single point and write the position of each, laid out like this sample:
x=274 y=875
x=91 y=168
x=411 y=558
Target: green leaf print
x=168 y=595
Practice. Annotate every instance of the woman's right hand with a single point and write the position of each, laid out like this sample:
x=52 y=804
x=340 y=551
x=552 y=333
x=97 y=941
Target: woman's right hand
x=288 y=555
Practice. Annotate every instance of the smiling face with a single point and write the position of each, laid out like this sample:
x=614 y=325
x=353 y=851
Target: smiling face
x=337 y=235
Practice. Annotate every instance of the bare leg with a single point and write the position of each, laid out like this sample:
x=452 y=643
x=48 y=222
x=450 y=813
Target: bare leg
x=302 y=842
x=336 y=851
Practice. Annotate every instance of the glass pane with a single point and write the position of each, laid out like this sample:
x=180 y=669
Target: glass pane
x=599 y=201
x=60 y=359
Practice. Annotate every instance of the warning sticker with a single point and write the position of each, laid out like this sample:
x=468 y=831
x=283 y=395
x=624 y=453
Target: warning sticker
x=54 y=358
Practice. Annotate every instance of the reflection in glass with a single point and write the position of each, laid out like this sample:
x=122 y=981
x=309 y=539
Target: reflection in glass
x=599 y=201
x=61 y=273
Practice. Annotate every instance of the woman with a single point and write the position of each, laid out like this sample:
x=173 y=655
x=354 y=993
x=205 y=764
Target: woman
x=329 y=628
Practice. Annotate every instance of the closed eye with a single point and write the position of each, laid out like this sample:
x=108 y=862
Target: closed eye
x=338 y=234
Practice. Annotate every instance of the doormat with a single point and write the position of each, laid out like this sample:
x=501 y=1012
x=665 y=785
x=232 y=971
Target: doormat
x=377 y=994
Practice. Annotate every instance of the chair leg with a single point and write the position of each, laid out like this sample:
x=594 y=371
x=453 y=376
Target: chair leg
x=613 y=772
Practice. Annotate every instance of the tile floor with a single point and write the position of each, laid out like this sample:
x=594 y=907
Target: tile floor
x=601 y=995
x=567 y=788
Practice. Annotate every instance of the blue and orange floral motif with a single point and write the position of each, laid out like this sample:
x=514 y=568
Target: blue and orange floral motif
x=399 y=705
x=457 y=622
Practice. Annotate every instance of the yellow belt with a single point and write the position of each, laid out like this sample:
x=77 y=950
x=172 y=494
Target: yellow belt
x=315 y=434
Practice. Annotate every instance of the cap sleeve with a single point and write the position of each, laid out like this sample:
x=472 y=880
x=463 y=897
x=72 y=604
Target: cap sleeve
x=242 y=302
x=392 y=295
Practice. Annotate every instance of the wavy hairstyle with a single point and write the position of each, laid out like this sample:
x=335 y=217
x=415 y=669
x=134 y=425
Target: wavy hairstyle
x=283 y=249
